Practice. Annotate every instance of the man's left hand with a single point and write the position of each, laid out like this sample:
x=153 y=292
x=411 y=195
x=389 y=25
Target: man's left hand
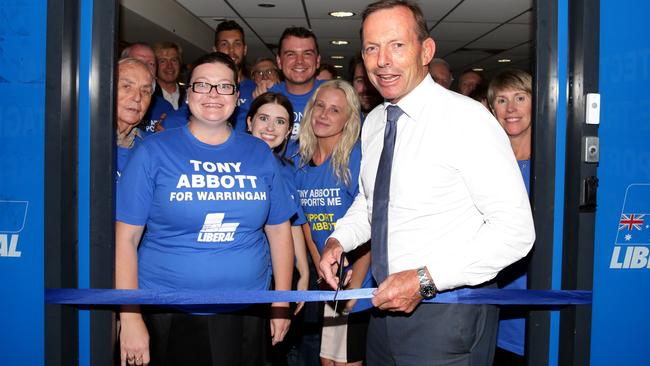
x=399 y=292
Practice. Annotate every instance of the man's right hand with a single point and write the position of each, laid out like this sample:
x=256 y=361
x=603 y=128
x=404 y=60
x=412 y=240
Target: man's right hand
x=329 y=263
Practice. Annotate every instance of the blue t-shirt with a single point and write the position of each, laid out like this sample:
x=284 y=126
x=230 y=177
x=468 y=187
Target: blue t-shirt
x=512 y=320
x=205 y=207
x=123 y=153
x=238 y=118
x=289 y=174
x=161 y=111
x=325 y=200
x=298 y=102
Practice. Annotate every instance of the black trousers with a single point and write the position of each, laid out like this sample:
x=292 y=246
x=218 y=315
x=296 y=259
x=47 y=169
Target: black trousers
x=238 y=339
x=434 y=334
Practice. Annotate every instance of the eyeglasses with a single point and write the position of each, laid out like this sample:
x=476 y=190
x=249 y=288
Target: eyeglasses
x=201 y=87
x=268 y=73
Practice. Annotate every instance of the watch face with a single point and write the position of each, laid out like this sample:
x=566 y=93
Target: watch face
x=428 y=292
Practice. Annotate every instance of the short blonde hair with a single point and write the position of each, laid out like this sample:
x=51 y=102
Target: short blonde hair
x=341 y=155
x=511 y=79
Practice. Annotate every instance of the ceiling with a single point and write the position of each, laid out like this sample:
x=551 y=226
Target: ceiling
x=468 y=33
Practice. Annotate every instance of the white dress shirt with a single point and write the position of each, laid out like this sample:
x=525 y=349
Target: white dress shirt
x=172 y=98
x=458 y=204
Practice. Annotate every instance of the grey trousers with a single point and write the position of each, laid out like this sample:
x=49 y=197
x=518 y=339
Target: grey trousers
x=434 y=334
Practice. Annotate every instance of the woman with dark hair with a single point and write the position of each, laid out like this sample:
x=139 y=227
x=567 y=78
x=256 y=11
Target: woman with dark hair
x=327 y=178
x=269 y=118
x=217 y=215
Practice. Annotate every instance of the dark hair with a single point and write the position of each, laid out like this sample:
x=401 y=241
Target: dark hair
x=328 y=67
x=214 y=58
x=356 y=60
x=480 y=92
x=228 y=25
x=300 y=32
x=273 y=98
x=420 y=22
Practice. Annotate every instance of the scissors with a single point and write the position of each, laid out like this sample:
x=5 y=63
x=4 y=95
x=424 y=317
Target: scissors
x=338 y=288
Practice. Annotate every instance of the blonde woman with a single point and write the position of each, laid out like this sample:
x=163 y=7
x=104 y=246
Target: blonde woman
x=328 y=164
x=510 y=95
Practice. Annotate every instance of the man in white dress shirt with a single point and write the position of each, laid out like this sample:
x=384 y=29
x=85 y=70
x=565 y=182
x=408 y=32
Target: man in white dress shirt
x=456 y=212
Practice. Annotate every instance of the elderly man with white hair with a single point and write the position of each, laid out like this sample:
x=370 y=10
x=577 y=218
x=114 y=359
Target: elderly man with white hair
x=134 y=90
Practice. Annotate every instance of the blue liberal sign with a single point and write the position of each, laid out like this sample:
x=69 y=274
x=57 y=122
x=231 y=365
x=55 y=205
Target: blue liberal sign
x=631 y=247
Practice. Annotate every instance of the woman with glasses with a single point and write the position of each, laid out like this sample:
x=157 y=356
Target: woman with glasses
x=327 y=177
x=216 y=211
x=265 y=69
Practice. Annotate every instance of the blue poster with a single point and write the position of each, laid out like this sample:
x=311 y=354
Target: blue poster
x=12 y=222
x=633 y=236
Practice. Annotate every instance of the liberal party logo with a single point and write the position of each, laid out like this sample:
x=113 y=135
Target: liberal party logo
x=12 y=221
x=215 y=230
x=632 y=246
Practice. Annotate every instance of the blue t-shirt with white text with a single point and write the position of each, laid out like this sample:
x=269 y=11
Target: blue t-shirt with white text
x=205 y=207
x=289 y=174
x=325 y=199
x=161 y=111
x=238 y=118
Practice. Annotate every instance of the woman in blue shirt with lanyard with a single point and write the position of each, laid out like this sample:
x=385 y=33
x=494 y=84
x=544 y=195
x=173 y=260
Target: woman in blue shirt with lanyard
x=209 y=197
x=327 y=179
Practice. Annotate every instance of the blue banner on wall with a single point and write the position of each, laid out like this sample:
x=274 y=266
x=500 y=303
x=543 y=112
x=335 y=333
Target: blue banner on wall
x=630 y=249
x=22 y=111
x=621 y=285
x=12 y=221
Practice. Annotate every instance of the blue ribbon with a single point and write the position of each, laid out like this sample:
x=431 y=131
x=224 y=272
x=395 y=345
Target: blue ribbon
x=86 y=297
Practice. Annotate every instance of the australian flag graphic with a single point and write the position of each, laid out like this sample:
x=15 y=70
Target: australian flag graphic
x=634 y=223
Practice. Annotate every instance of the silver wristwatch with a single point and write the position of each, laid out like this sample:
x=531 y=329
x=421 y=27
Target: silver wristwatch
x=427 y=287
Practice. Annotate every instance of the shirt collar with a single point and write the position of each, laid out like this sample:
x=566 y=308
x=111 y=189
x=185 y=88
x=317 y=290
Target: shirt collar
x=413 y=102
x=127 y=140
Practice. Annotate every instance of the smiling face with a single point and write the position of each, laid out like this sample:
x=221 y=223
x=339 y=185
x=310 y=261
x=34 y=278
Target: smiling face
x=231 y=42
x=330 y=113
x=169 y=65
x=271 y=124
x=512 y=108
x=134 y=89
x=211 y=108
x=298 y=60
x=394 y=58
